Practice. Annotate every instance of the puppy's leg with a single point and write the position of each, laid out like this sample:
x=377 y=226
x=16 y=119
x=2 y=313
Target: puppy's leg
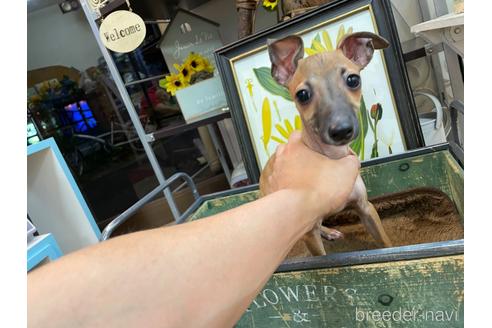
x=370 y=218
x=368 y=214
x=330 y=234
x=313 y=241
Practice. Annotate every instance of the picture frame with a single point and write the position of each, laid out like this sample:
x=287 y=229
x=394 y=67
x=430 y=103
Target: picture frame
x=244 y=64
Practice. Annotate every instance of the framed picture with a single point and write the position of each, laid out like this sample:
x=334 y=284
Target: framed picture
x=263 y=111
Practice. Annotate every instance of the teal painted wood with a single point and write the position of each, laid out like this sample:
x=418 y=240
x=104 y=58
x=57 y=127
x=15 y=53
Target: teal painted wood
x=218 y=205
x=42 y=247
x=418 y=293
x=50 y=143
x=430 y=291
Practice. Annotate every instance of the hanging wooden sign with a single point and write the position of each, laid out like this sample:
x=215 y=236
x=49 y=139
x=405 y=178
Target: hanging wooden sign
x=122 y=31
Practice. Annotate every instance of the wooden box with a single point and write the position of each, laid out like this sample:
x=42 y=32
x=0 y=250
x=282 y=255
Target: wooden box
x=419 y=284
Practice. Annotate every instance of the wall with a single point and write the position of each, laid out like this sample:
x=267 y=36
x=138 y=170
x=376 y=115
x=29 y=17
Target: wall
x=54 y=38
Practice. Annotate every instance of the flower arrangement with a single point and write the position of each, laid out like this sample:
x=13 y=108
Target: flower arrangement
x=270 y=4
x=195 y=68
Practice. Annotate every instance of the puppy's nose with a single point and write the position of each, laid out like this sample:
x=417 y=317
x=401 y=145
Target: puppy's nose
x=342 y=131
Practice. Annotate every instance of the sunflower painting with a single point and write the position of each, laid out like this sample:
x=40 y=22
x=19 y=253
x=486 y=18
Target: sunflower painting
x=272 y=116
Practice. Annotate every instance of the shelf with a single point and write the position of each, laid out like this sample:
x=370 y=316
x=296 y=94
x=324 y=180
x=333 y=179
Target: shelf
x=449 y=29
x=182 y=126
x=152 y=78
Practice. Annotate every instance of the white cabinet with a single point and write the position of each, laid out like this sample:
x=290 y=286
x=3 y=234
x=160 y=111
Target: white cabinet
x=54 y=201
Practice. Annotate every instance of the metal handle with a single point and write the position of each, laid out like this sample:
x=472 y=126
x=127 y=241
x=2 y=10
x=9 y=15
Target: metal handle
x=437 y=106
x=120 y=219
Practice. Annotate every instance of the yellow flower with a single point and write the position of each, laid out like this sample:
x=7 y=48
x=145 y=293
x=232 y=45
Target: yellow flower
x=198 y=63
x=185 y=70
x=286 y=130
x=270 y=4
x=327 y=45
x=172 y=83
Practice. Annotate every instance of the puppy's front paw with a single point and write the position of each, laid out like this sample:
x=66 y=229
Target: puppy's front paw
x=330 y=234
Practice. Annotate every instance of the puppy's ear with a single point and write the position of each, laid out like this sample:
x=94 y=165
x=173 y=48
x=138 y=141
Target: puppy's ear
x=359 y=47
x=284 y=55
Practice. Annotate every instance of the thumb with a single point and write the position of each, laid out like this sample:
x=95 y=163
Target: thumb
x=295 y=136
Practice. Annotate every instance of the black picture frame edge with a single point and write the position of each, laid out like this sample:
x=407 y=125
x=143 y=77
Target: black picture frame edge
x=393 y=58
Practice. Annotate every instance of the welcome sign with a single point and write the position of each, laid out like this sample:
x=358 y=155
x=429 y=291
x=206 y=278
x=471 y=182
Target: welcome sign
x=122 y=31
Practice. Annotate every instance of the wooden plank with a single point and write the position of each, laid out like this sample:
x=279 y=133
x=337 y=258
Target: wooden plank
x=416 y=293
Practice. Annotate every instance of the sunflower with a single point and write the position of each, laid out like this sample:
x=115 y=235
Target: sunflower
x=185 y=70
x=286 y=130
x=173 y=82
x=198 y=63
x=317 y=46
x=270 y=4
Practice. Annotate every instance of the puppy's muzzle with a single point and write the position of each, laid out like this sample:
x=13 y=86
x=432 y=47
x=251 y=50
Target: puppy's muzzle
x=342 y=132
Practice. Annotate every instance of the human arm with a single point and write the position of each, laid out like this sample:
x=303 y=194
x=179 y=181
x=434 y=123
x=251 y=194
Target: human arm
x=199 y=274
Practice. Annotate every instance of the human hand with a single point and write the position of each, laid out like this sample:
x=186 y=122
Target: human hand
x=325 y=183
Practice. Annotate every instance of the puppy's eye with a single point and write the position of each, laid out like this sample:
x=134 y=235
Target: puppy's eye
x=353 y=81
x=303 y=96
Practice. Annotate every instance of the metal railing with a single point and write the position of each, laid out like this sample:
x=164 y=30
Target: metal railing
x=120 y=219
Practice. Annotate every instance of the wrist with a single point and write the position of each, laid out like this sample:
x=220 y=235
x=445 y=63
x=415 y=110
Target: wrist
x=303 y=206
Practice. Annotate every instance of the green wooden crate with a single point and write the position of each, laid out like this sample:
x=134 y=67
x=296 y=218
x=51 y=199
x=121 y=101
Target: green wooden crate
x=410 y=286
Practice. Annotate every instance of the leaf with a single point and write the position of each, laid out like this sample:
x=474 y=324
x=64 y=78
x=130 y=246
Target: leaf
x=289 y=127
x=282 y=131
x=266 y=117
x=318 y=46
x=355 y=145
x=365 y=116
x=274 y=138
x=264 y=76
x=276 y=110
x=310 y=51
x=374 y=152
x=341 y=33
x=298 y=122
x=327 y=41
x=358 y=144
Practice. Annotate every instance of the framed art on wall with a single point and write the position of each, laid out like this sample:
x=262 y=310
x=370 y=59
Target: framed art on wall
x=264 y=113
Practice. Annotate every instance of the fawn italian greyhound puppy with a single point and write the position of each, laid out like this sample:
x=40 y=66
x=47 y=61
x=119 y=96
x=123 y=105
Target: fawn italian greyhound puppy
x=326 y=89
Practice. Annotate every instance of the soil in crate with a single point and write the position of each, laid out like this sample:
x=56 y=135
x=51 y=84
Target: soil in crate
x=422 y=215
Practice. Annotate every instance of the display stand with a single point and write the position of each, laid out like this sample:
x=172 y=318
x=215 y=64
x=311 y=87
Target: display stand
x=40 y=249
x=54 y=201
x=146 y=139
x=449 y=29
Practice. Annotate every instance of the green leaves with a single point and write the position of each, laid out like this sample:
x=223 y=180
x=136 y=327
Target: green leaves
x=264 y=76
x=358 y=144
